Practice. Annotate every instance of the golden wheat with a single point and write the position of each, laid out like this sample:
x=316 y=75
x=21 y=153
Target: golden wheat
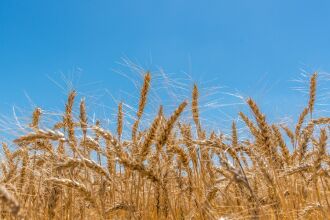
x=170 y=170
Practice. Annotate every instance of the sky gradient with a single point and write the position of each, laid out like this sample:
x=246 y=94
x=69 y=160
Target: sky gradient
x=255 y=47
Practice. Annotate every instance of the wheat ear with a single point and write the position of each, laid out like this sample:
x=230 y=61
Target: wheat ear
x=312 y=93
x=142 y=103
x=120 y=120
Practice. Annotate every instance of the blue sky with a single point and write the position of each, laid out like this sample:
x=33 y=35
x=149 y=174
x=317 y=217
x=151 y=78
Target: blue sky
x=255 y=47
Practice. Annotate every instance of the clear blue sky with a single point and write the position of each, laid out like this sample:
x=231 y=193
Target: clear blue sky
x=245 y=45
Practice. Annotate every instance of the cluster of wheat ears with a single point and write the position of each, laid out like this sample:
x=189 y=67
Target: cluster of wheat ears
x=171 y=170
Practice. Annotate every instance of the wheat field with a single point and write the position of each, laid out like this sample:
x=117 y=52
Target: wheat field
x=171 y=170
